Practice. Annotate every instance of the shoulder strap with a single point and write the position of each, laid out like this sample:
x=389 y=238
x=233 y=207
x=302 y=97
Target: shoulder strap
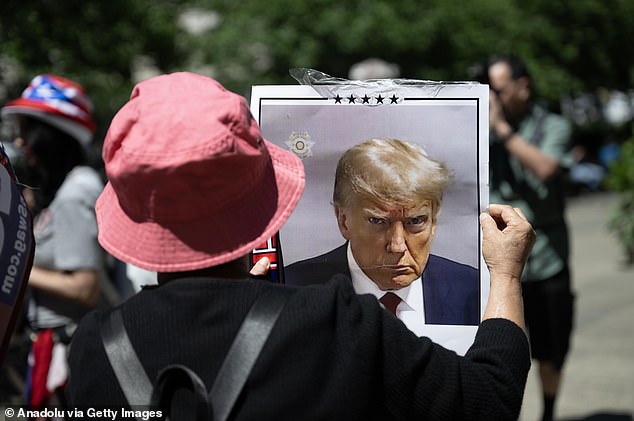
x=245 y=350
x=235 y=369
x=174 y=378
x=130 y=374
x=538 y=135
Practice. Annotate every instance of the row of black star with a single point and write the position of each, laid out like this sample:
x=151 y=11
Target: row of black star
x=365 y=99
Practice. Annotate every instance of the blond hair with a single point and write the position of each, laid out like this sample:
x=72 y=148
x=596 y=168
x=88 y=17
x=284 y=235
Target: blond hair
x=392 y=172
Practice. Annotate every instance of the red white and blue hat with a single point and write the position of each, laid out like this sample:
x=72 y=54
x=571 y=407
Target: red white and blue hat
x=59 y=102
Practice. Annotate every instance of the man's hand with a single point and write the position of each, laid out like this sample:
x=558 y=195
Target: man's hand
x=542 y=165
x=497 y=120
x=507 y=239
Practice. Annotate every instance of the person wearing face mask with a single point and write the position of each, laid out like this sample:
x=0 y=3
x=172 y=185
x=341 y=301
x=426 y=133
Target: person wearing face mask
x=54 y=116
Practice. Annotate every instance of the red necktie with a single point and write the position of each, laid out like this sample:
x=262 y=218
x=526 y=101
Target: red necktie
x=390 y=301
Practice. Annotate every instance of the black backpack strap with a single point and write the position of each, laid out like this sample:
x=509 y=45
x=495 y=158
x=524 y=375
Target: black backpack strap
x=538 y=135
x=174 y=378
x=233 y=374
x=133 y=380
x=245 y=350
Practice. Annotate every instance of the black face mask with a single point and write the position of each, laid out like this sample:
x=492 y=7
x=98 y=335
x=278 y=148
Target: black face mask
x=56 y=154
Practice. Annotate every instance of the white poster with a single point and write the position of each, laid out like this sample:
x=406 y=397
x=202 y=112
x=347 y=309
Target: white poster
x=449 y=121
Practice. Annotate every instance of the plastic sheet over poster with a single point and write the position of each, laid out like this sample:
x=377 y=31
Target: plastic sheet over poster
x=324 y=116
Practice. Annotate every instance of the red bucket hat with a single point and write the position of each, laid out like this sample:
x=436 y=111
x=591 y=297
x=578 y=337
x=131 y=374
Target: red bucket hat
x=192 y=183
x=59 y=102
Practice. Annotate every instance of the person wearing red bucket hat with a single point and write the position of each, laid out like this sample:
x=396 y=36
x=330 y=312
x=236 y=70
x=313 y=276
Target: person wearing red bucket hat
x=55 y=126
x=193 y=186
x=188 y=150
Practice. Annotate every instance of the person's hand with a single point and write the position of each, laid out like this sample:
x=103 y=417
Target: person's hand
x=495 y=108
x=497 y=119
x=261 y=267
x=507 y=239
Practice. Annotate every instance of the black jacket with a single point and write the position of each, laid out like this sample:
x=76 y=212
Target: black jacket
x=333 y=355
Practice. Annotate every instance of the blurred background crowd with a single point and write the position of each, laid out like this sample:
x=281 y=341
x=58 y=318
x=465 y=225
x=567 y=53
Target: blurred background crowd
x=579 y=53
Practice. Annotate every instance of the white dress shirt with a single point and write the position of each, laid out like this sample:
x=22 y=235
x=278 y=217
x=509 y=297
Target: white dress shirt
x=411 y=309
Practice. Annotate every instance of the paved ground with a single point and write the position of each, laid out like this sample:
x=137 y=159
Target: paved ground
x=599 y=375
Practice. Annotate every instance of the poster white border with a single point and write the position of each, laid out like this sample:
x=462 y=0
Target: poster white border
x=449 y=120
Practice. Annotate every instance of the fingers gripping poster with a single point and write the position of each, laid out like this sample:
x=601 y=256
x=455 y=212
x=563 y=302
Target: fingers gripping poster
x=425 y=239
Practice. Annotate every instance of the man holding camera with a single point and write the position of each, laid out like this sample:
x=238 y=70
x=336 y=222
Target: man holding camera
x=528 y=159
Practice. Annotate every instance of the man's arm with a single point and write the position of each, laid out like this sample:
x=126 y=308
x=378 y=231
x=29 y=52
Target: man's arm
x=507 y=239
x=542 y=165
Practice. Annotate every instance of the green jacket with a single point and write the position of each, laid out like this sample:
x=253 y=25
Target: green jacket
x=543 y=203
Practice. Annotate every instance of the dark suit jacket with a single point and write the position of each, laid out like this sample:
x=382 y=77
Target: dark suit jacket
x=451 y=290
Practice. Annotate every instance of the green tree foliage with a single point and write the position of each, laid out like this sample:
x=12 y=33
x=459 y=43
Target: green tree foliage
x=570 y=45
x=92 y=41
x=621 y=180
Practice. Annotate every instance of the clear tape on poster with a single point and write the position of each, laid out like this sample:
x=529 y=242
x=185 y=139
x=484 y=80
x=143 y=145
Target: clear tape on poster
x=328 y=86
